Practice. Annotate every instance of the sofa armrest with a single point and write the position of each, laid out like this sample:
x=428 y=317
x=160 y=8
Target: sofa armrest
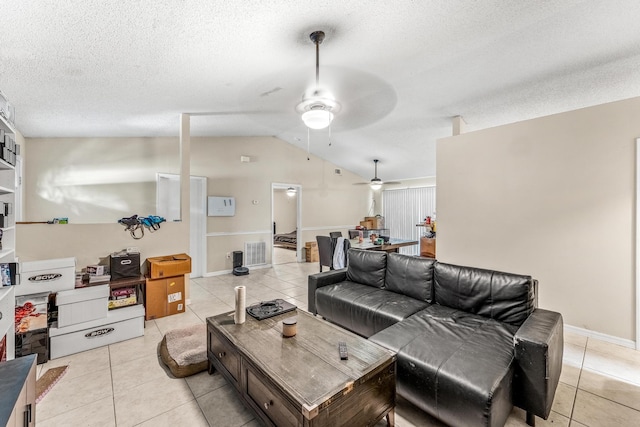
x=539 y=346
x=319 y=280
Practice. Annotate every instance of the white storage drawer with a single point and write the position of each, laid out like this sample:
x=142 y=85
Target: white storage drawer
x=119 y=325
x=82 y=305
x=51 y=275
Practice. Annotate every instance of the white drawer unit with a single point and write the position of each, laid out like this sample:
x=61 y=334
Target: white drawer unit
x=82 y=305
x=119 y=325
x=50 y=275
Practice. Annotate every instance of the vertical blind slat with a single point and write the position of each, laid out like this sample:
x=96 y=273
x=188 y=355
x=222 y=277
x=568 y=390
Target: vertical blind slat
x=403 y=209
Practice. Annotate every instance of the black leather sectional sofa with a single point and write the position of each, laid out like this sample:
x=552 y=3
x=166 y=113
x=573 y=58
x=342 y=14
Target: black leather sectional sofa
x=470 y=343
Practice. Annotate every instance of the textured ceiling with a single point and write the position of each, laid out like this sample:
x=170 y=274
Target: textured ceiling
x=401 y=69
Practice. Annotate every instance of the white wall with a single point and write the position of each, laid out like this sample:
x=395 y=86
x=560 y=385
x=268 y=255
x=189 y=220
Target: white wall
x=554 y=198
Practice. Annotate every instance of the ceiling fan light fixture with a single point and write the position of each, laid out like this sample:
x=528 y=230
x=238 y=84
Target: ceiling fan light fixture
x=317 y=119
x=318 y=105
x=375 y=185
x=291 y=191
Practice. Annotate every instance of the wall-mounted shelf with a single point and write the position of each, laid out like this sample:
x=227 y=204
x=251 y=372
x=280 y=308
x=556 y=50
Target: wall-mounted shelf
x=6 y=166
x=5 y=252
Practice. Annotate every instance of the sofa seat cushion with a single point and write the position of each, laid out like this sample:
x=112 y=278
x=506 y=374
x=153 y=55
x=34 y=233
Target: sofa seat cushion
x=455 y=365
x=364 y=309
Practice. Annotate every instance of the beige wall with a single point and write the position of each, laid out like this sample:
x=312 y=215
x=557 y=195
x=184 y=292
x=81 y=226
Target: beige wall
x=554 y=198
x=284 y=211
x=95 y=180
x=329 y=202
x=89 y=243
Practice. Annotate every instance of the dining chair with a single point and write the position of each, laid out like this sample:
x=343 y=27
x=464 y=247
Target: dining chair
x=325 y=251
x=335 y=234
x=354 y=234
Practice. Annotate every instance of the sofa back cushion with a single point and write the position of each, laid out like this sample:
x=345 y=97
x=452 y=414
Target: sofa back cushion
x=367 y=267
x=411 y=276
x=501 y=296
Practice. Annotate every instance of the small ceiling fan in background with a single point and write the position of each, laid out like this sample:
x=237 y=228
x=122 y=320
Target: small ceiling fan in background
x=376 y=183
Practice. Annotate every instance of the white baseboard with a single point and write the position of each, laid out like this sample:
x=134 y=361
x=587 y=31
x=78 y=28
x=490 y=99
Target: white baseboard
x=223 y=272
x=600 y=336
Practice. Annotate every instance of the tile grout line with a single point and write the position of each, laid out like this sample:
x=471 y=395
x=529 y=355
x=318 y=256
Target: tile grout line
x=575 y=396
x=113 y=392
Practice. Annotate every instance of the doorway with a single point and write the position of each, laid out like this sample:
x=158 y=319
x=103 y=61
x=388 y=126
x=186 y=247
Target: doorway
x=286 y=222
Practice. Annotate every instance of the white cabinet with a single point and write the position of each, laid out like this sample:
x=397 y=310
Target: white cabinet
x=7 y=314
x=18 y=392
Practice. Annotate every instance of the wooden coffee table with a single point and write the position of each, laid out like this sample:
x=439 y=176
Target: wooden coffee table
x=301 y=381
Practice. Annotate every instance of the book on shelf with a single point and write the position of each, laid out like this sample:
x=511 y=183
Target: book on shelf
x=102 y=278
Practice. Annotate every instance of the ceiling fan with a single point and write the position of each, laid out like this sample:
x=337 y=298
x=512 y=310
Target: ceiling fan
x=376 y=183
x=318 y=105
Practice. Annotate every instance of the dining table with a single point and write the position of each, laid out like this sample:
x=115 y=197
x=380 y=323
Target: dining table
x=392 y=245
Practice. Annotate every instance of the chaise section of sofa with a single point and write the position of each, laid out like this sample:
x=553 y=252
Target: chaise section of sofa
x=457 y=366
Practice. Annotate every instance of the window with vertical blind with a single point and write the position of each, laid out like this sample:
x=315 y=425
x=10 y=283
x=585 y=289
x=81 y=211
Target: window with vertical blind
x=403 y=209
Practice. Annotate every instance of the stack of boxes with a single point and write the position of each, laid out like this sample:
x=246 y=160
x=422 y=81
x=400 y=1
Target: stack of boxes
x=86 y=321
x=372 y=222
x=39 y=280
x=165 y=293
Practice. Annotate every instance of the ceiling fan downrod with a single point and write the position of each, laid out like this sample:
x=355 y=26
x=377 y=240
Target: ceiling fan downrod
x=317 y=38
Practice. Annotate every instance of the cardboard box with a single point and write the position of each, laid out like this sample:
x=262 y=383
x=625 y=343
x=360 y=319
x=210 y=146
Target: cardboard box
x=377 y=222
x=311 y=251
x=168 y=266
x=366 y=224
x=51 y=275
x=82 y=305
x=164 y=297
x=427 y=247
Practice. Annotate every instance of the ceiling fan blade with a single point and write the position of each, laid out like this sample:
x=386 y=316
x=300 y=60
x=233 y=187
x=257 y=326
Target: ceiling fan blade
x=361 y=183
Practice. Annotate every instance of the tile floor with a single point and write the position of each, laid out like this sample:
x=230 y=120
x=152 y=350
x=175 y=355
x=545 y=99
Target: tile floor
x=125 y=384
x=283 y=256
